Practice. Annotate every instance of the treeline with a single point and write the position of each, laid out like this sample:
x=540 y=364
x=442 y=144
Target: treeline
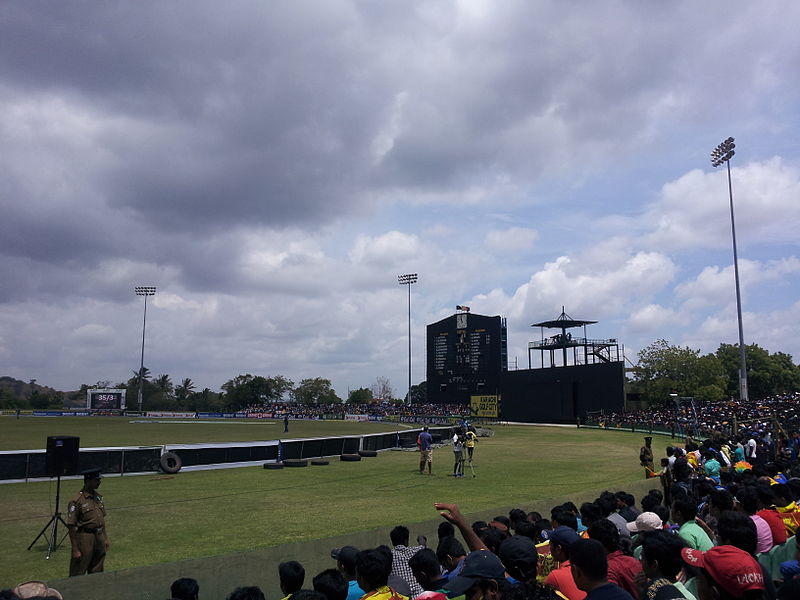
x=161 y=393
x=665 y=369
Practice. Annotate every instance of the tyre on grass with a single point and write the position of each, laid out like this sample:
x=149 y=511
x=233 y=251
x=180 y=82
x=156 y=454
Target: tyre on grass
x=320 y=462
x=273 y=466
x=170 y=463
x=350 y=457
x=368 y=453
x=295 y=462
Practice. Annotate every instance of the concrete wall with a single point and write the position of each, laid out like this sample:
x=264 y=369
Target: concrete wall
x=561 y=394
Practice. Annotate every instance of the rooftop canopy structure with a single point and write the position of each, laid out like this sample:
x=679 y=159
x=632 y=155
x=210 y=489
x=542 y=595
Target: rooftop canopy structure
x=585 y=350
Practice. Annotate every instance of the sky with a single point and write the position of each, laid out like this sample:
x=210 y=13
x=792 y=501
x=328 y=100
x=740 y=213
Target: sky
x=272 y=167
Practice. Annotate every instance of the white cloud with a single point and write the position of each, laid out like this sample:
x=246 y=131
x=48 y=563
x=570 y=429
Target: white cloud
x=93 y=333
x=694 y=210
x=512 y=239
x=389 y=249
x=715 y=285
x=653 y=318
x=600 y=292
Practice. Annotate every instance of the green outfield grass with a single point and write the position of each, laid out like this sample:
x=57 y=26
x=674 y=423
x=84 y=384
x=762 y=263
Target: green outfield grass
x=157 y=518
x=30 y=433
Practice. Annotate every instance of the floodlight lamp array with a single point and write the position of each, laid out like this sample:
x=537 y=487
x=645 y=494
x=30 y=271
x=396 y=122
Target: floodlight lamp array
x=145 y=290
x=723 y=153
x=407 y=279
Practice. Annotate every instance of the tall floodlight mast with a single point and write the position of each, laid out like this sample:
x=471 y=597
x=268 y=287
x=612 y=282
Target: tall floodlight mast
x=723 y=154
x=408 y=279
x=143 y=290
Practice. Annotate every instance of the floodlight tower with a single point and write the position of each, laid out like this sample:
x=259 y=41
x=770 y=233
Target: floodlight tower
x=408 y=279
x=723 y=154
x=143 y=290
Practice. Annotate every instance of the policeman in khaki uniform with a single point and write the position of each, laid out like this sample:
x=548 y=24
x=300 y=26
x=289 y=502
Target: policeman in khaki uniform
x=86 y=518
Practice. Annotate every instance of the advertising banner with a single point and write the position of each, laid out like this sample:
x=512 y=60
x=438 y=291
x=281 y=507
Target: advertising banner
x=349 y=417
x=165 y=414
x=485 y=406
x=430 y=420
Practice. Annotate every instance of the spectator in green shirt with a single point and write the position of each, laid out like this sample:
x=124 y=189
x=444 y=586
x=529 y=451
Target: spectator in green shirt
x=684 y=512
x=712 y=466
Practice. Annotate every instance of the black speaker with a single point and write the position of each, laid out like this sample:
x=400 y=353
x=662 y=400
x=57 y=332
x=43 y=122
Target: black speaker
x=62 y=455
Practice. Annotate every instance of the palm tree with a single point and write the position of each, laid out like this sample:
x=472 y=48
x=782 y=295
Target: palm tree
x=145 y=373
x=164 y=383
x=183 y=390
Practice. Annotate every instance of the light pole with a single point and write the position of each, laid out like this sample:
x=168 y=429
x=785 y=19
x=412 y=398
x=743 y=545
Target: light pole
x=408 y=279
x=723 y=154
x=676 y=426
x=143 y=290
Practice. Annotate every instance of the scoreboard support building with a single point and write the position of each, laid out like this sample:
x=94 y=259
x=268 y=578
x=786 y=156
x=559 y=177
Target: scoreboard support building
x=467 y=363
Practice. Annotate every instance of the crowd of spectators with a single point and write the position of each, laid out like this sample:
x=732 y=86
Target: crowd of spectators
x=771 y=422
x=376 y=410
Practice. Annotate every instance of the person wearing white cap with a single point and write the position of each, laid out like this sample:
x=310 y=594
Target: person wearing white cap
x=647 y=521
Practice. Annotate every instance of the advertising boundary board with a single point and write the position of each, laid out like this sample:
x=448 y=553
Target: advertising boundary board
x=391 y=418
x=25 y=465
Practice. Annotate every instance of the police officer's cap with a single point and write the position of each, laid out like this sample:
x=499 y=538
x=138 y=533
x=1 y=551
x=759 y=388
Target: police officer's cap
x=93 y=473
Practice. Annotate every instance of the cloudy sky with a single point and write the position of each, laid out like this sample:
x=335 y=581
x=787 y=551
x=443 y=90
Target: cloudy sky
x=273 y=166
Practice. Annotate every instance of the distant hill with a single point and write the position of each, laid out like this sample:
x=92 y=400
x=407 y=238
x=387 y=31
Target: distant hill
x=15 y=393
x=20 y=389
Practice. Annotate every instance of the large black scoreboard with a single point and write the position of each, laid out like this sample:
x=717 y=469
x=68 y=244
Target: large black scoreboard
x=467 y=354
x=105 y=399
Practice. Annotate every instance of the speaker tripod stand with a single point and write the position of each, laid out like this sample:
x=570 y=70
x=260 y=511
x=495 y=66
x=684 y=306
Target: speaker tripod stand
x=52 y=540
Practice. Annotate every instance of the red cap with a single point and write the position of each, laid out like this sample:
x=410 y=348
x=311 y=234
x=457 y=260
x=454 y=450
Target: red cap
x=733 y=569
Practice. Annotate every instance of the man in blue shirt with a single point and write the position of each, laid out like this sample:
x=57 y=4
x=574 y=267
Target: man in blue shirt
x=425 y=443
x=346 y=563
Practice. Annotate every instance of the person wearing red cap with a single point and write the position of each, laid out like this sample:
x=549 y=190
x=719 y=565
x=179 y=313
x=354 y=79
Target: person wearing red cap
x=725 y=573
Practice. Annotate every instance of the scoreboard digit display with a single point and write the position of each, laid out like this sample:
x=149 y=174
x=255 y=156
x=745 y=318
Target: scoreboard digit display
x=105 y=399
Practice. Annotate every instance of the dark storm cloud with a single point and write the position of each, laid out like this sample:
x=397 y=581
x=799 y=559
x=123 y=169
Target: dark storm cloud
x=215 y=116
x=223 y=117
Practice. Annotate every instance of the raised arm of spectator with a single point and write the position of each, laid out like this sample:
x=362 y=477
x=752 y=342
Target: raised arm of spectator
x=451 y=513
x=704 y=526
